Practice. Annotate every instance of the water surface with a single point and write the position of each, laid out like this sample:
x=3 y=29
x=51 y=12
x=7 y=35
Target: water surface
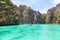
x=30 y=32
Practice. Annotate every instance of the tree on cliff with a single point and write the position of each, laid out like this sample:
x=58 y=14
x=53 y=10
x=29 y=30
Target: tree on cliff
x=57 y=17
x=53 y=14
x=8 y=13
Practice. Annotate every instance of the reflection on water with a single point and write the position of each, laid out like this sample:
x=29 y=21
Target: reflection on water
x=30 y=32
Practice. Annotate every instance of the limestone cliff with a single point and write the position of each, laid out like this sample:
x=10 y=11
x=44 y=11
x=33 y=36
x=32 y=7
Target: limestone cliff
x=8 y=13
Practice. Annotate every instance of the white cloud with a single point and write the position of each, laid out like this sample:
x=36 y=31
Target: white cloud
x=42 y=11
x=38 y=5
x=32 y=1
x=55 y=2
x=25 y=2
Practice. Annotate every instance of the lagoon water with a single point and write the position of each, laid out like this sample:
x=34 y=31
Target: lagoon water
x=30 y=32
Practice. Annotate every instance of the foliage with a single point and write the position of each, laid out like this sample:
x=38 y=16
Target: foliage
x=57 y=17
x=8 y=14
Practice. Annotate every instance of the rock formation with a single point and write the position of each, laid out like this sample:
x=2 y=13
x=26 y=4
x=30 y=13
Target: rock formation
x=28 y=15
x=8 y=13
x=53 y=14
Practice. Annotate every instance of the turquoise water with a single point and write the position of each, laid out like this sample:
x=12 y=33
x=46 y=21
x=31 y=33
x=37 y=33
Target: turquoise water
x=30 y=32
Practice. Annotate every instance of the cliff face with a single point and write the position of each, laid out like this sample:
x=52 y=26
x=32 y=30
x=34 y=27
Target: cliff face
x=53 y=14
x=11 y=14
x=8 y=13
x=28 y=15
x=58 y=7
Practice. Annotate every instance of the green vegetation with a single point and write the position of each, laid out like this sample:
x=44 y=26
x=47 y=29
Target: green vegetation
x=57 y=17
x=8 y=14
x=54 y=18
x=11 y=14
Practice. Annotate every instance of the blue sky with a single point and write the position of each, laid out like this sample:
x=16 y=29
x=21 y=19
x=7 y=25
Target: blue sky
x=39 y=5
